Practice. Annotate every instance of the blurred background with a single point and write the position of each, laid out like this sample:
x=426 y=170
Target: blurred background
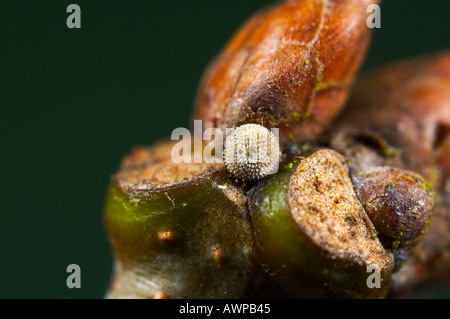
x=75 y=101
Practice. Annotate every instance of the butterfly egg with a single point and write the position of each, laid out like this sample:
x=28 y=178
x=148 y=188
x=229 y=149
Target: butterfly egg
x=251 y=152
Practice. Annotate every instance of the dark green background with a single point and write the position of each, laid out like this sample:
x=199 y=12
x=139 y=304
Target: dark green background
x=73 y=102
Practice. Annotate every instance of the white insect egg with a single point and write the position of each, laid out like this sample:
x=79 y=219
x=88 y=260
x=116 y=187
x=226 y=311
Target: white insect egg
x=251 y=152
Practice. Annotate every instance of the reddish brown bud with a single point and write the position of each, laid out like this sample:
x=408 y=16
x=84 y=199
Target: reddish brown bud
x=290 y=66
x=398 y=202
x=407 y=104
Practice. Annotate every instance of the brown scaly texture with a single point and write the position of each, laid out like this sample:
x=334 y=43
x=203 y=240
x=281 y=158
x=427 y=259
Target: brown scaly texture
x=150 y=168
x=402 y=113
x=325 y=207
x=290 y=66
